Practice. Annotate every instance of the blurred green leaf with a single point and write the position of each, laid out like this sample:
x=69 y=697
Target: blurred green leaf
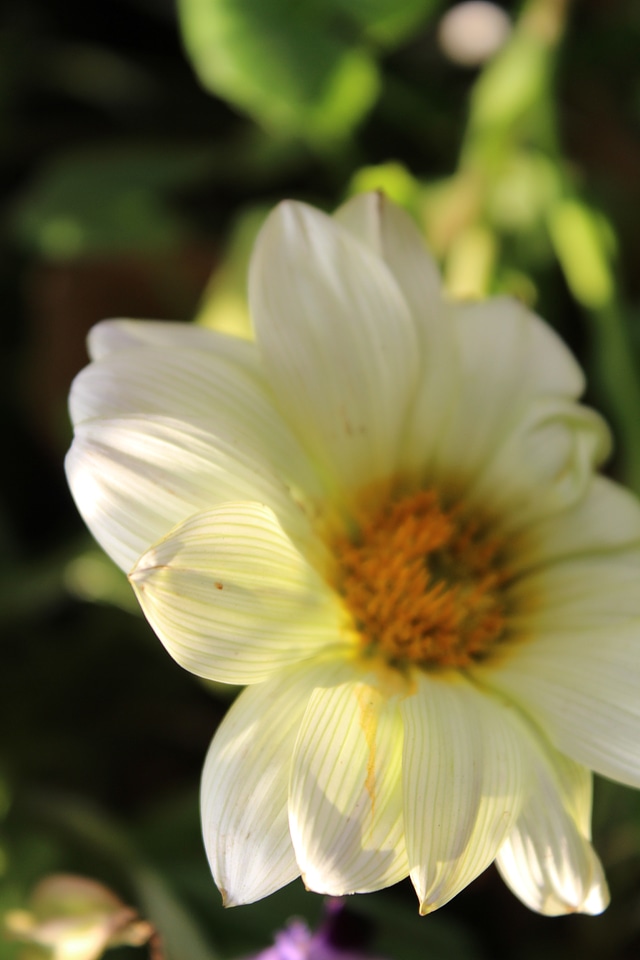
x=393 y=179
x=583 y=246
x=388 y=21
x=224 y=305
x=110 y=201
x=512 y=83
x=181 y=937
x=284 y=63
x=518 y=200
x=92 y=576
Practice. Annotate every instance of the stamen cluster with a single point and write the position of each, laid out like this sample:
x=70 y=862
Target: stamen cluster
x=425 y=583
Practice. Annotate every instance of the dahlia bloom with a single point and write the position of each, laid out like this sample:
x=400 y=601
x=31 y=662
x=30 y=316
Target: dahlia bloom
x=382 y=516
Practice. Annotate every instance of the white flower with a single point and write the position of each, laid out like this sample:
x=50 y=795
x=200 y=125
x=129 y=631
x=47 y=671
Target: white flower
x=382 y=516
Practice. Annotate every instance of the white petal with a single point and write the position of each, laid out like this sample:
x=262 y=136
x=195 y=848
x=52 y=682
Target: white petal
x=605 y=520
x=345 y=807
x=134 y=478
x=546 y=463
x=232 y=599
x=179 y=381
x=338 y=342
x=205 y=388
x=588 y=592
x=508 y=356
x=112 y=336
x=465 y=776
x=245 y=786
x=582 y=689
x=547 y=859
x=393 y=236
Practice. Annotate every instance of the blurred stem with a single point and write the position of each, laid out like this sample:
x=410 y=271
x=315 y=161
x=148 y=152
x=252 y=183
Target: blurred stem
x=513 y=99
x=513 y=109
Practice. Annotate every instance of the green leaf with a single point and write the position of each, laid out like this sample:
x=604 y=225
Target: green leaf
x=286 y=64
x=582 y=242
x=111 y=201
x=224 y=304
x=389 y=21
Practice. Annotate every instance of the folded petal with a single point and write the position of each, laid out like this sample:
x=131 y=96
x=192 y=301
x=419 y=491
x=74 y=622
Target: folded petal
x=547 y=859
x=345 y=807
x=545 y=464
x=465 y=773
x=134 y=477
x=582 y=688
x=232 y=599
x=245 y=786
x=605 y=520
x=508 y=356
x=338 y=342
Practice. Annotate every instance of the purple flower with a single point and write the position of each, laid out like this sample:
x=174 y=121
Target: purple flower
x=341 y=936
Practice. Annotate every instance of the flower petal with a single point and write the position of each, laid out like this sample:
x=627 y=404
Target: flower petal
x=211 y=389
x=465 y=777
x=345 y=807
x=393 y=236
x=582 y=689
x=606 y=519
x=245 y=786
x=232 y=599
x=581 y=593
x=133 y=478
x=546 y=463
x=181 y=381
x=547 y=859
x=508 y=356
x=338 y=343
x=112 y=336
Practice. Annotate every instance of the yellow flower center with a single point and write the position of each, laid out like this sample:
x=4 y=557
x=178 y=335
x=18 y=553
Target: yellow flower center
x=424 y=583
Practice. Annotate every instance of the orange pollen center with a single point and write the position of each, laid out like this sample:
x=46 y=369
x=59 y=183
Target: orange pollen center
x=425 y=584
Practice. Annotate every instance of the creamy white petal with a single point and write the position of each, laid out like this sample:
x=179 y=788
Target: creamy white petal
x=232 y=599
x=589 y=592
x=181 y=381
x=582 y=689
x=133 y=478
x=466 y=773
x=547 y=859
x=508 y=356
x=393 y=236
x=201 y=387
x=546 y=464
x=113 y=336
x=338 y=342
x=606 y=519
x=245 y=785
x=345 y=806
